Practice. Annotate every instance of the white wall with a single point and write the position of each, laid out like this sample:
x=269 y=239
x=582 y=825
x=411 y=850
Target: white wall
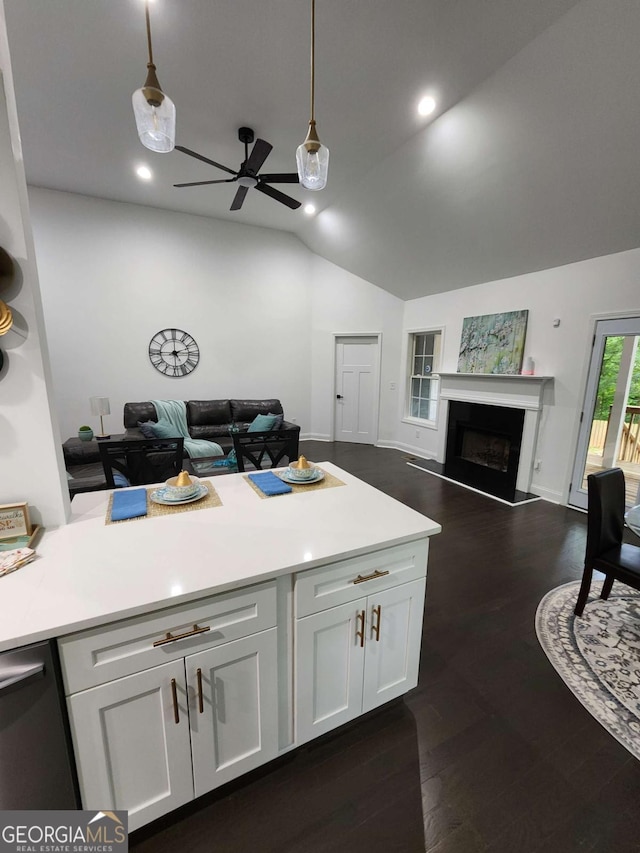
x=30 y=458
x=344 y=303
x=573 y=294
x=114 y=274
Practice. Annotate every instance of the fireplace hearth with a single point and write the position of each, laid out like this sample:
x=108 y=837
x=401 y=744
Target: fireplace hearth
x=483 y=447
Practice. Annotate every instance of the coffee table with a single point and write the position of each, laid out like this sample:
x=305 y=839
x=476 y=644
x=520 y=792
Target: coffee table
x=204 y=466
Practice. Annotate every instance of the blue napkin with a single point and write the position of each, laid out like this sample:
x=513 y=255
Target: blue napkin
x=269 y=484
x=130 y=504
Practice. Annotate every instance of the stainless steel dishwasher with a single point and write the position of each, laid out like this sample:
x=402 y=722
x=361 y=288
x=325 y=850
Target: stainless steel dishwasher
x=36 y=764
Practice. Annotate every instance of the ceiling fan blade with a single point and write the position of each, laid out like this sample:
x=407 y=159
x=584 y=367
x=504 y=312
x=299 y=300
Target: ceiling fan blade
x=239 y=197
x=204 y=159
x=281 y=178
x=278 y=196
x=261 y=151
x=202 y=183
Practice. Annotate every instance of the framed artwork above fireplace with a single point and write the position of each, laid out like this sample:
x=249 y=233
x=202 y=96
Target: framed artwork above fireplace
x=493 y=343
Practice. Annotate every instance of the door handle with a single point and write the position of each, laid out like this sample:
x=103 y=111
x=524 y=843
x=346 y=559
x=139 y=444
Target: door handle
x=339 y=397
x=375 y=622
x=200 y=697
x=360 y=633
x=18 y=676
x=174 y=696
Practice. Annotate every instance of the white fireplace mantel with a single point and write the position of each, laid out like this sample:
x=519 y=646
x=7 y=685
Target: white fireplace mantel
x=495 y=389
x=498 y=389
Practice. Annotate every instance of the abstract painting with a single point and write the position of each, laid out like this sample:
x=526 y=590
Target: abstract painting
x=493 y=343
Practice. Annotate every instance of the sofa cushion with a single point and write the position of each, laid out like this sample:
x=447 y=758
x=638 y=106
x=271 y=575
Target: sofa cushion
x=135 y=412
x=165 y=429
x=207 y=412
x=244 y=411
x=278 y=420
x=211 y=431
x=148 y=429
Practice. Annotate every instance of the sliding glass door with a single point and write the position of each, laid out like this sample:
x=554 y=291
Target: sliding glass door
x=610 y=427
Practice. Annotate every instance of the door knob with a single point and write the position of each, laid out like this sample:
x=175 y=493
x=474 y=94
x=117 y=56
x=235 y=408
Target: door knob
x=339 y=397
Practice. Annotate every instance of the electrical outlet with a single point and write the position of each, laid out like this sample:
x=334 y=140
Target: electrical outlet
x=536 y=466
x=417 y=433
x=392 y=386
x=293 y=420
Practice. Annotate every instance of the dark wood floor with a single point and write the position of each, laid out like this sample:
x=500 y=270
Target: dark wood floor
x=491 y=752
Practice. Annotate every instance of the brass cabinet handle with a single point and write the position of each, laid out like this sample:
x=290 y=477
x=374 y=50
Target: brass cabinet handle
x=360 y=634
x=174 y=695
x=200 y=698
x=375 y=622
x=376 y=574
x=171 y=638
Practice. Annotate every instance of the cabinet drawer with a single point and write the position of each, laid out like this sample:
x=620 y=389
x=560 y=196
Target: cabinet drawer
x=101 y=654
x=339 y=583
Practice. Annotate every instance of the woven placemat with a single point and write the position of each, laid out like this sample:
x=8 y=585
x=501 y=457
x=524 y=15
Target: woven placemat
x=154 y=509
x=329 y=482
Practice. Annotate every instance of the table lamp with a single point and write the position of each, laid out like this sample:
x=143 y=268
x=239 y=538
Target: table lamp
x=100 y=406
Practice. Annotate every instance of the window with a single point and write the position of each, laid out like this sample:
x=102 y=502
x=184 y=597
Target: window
x=423 y=386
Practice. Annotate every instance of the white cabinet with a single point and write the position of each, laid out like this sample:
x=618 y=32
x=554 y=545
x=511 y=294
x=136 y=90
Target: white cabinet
x=150 y=741
x=356 y=656
x=131 y=753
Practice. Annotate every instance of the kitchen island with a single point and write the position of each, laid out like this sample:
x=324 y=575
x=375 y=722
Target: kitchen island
x=201 y=644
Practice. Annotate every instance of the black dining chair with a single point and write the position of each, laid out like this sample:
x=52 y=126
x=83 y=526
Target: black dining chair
x=606 y=552
x=140 y=461
x=256 y=450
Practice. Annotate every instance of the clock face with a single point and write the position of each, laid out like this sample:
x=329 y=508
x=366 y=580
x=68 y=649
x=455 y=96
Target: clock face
x=173 y=352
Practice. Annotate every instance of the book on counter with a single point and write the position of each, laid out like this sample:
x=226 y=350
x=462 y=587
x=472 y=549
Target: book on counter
x=17 y=551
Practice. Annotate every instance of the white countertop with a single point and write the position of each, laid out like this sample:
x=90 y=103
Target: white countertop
x=88 y=573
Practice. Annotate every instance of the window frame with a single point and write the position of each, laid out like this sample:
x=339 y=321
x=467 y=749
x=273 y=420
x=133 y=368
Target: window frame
x=412 y=335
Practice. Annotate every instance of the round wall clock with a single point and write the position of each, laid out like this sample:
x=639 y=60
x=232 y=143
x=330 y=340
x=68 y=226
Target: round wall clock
x=173 y=352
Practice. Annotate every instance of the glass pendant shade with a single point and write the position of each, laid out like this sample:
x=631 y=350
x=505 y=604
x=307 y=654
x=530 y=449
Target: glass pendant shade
x=155 y=116
x=313 y=166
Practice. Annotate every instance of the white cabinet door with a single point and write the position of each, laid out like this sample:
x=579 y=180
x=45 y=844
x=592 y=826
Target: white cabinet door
x=234 y=708
x=329 y=669
x=394 y=635
x=131 y=753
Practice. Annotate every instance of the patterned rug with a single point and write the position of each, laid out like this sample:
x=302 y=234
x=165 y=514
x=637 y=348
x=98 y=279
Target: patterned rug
x=598 y=654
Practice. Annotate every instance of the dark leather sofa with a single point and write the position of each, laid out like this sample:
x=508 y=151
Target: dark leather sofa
x=210 y=419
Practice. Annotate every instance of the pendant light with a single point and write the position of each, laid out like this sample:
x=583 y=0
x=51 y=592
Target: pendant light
x=154 y=111
x=312 y=156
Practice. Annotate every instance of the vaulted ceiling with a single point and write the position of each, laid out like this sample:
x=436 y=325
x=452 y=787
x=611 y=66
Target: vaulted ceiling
x=529 y=161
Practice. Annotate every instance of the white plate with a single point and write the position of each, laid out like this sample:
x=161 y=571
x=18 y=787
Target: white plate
x=158 y=498
x=295 y=482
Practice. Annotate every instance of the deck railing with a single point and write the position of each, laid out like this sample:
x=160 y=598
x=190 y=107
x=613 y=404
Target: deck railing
x=629 y=440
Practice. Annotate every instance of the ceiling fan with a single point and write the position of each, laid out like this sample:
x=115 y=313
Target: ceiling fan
x=247 y=175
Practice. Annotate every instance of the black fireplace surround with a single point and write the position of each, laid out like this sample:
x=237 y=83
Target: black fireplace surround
x=483 y=447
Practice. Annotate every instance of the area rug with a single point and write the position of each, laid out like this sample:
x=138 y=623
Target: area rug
x=598 y=654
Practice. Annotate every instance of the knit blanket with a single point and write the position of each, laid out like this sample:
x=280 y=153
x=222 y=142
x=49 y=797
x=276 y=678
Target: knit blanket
x=175 y=412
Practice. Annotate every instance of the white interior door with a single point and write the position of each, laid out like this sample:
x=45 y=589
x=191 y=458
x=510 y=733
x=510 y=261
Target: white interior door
x=357 y=389
x=609 y=434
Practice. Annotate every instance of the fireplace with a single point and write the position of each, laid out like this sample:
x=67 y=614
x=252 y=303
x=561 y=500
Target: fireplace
x=483 y=447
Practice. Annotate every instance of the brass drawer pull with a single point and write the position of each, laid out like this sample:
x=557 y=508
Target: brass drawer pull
x=200 y=699
x=375 y=622
x=360 y=634
x=174 y=696
x=376 y=574
x=171 y=638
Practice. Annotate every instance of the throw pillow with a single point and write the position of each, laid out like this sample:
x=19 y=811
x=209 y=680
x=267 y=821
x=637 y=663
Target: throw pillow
x=148 y=429
x=165 y=429
x=262 y=423
x=278 y=420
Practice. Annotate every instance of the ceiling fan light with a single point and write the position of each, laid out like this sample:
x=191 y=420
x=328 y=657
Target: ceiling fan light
x=155 y=115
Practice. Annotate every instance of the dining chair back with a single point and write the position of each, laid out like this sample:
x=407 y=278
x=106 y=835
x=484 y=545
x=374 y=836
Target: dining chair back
x=140 y=461
x=605 y=550
x=256 y=450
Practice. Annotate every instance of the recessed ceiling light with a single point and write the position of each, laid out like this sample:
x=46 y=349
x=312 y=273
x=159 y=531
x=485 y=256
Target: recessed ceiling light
x=426 y=106
x=309 y=209
x=144 y=173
